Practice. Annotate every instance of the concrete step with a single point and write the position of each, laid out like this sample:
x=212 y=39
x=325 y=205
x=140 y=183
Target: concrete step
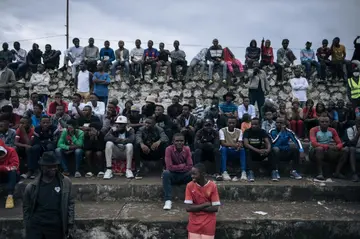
x=150 y=189
x=134 y=220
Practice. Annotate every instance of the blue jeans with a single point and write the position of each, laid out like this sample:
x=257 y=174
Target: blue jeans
x=120 y=63
x=170 y=178
x=63 y=157
x=10 y=178
x=230 y=152
x=308 y=65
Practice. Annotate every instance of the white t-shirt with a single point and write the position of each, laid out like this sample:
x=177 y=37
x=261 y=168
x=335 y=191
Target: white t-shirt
x=137 y=53
x=222 y=135
x=73 y=110
x=299 y=88
x=83 y=83
x=99 y=110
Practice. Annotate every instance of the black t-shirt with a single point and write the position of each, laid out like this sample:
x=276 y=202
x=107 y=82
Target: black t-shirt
x=93 y=119
x=163 y=56
x=343 y=113
x=256 y=137
x=94 y=145
x=48 y=204
x=44 y=136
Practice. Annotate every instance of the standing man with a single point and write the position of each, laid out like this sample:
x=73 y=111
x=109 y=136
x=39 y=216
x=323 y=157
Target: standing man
x=91 y=55
x=136 y=57
x=101 y=81
x=215 y=55
x=307 y=57
x=7 y=78
x=178 y=165
x=299 y=86
x=75 y=55
x=83 y=82
x=48 y=203
x=338 y=54
x=122 y=59
x=178 y=59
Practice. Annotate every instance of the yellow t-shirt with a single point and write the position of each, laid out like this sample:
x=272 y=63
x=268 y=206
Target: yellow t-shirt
x=338 y=53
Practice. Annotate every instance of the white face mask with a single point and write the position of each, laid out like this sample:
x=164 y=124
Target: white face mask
x=356 y=74
x=114 y=128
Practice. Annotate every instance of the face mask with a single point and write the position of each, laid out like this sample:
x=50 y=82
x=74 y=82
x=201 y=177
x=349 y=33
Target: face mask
x=114 y=128
x=356 y=74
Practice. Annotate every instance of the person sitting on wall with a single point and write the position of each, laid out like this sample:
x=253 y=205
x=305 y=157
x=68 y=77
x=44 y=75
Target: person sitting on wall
x=136 y=57
x=101 y=81
x=9 y=171
x=151 y=142
x=199 y=59
x=231 y=61
x=34 y=99
x=252 y=53
x=231 y=140
x=281 y=150
x=75 y=55
x=119 y=145
x=178 y=163
x=91 y=55
x=187 y=123
x=307 y=58
x=150 y=58
x=8 y=114
x=321 y=148
x=163 y=60
x=178 y=59
x=71 y=142
x=215 y=56
x=122 y=59
x=107 y=56
x=219 y=120
x=51 y=58
x=257 y=146
x=33 y=58
x=18 y=65
x=87 y=118
x=323 y=53
x=285 y=58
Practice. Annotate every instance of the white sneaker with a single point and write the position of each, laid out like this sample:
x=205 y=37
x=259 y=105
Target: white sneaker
x=226 y=176
x=108 y=174
x=167 y=205
x=100 y=174
x=89 y=175
x=243 y=176
x=129 y=173
x=235 y=179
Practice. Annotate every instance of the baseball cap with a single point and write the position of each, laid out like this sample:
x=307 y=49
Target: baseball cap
x=121 y=120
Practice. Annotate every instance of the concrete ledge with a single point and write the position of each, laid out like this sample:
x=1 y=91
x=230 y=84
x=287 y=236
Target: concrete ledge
x=150 y=189
x=148 y=220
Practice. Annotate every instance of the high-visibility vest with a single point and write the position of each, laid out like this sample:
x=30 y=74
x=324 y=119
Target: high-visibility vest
x=354 y=88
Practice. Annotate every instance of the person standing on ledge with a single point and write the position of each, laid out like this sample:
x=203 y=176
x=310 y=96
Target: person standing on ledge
x=202 y=200
x=48 y=202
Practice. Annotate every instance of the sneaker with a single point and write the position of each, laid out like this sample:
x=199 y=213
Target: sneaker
x=9 y=204
x=226 y=176
x=138 y=175
x=108 y=174
x=243 y=176
x=274 y=176
x=218 y=177
x=210 y=82
x=294 y=174
x=320 y=177
x=250 y=176
x=355 y=178
x=89 y=175
x=167 y=205
x=77 y=174
x=235 y=179
x=100 y=174
x=129 y=173
x=224 y=81
x=277 y=174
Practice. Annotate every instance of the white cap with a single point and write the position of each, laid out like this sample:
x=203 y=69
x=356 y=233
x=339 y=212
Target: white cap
x=121 y=120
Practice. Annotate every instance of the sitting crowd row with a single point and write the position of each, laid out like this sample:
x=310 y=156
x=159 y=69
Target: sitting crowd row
x=134 y=61
x=78 y=131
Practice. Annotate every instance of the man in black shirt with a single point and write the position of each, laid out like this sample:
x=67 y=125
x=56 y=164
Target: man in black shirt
x=87 y=118
x=34 y=57
x=48 y=203
x=51 y=58
x=135 y=118
x=163 y=60
x=343 y=114
x=175 y=109
x=257 y=145
x=164 y=121
x=43 y=140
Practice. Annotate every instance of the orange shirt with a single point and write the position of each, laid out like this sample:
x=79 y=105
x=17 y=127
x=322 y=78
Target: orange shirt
x=245 y=126
x=202 y=222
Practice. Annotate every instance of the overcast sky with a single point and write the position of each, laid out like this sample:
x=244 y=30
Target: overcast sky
x=193 y=22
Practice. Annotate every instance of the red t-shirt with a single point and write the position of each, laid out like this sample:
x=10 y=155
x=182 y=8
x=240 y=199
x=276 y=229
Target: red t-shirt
x=202 y=222
x=20 y=136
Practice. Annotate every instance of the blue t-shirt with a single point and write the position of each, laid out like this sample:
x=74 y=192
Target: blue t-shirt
x=228 y=108
x=100 y=89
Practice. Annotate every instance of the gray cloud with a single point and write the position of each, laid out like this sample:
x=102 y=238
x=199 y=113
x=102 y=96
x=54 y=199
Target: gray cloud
x=193 y=23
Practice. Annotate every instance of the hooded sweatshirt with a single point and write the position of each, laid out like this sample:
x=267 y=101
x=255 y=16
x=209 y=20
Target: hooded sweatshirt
x=214 y=52
x=228 y=55
x=253 y=52
x=10 y=160
x=267 y=54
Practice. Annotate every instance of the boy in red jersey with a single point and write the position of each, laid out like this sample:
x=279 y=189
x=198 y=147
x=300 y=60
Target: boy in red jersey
x=202 y=199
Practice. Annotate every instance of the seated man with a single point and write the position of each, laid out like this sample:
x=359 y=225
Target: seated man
x=18 y=65
x=322 y=149
x=187 y=123
x=40 y=82
x=37 y=115
x=228 y=108
x=268 y=122
x=122 y=59
x=98 y=107
x=33 y=58
x=178 y=59
x=175 y=109
x=18 y=108
x=9 y=171
x=257 y=146
x=150 y=58
x=323 y=53
x=207 y=145
x=94 y=146
x=109 y=118
x=151 y=142
x=246 y=108
x=136 y=57
x=119 y=145
x=75 y=55
x=215 y=55
x=136 y=120
x=87 y=118
x=178 y=163
x=164 y=121
x=107 y=55
x=231 y=140
x=43 y=140
x=58 y=101
x=71 y=142
x=34 y=99
x=51 y=58
x=199 y=59
x=8 y=115
x=91 y=55
x=252 y=53
x=24 y=135
x=220 y=121
x=76 y=106
x=307 y=57
x=163 y=60
x=60 y=119
x=7 y=135
x=6 y=54
x=281 y=149
x=353 y=142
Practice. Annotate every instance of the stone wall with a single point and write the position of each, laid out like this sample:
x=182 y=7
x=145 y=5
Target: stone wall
x=203 y=91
